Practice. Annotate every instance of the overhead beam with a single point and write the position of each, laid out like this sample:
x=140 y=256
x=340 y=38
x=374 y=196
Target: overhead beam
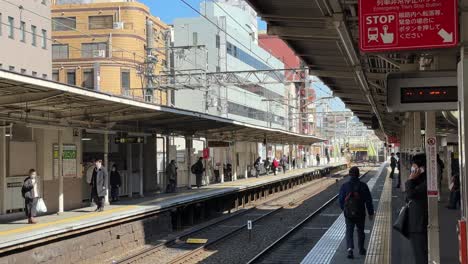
x=93 y=111
x=27 y=97
x=301 y=32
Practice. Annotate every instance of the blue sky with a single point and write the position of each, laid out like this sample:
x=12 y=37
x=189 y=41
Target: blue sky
x=168 y=10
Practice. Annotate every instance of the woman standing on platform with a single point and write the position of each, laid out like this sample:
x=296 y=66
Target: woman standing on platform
x=30 y=193
x=416 y=196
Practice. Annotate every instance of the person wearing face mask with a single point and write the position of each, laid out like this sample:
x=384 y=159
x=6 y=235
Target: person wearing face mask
x=30 y=193
x=115 y=183
x=98 y=185
x=416 y=197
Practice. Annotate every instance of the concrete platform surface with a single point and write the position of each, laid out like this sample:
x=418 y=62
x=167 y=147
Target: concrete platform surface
x=19 y=233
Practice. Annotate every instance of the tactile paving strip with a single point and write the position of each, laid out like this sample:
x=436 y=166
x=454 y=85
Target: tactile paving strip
x=379 y=251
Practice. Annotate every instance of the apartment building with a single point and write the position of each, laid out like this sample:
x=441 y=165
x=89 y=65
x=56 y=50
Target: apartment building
x=102 y=45
x=25 y=38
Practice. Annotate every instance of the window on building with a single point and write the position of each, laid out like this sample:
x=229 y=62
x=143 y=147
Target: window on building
x=34 y=73
x=11 y=26
x=23 y=71
x=33 y=35
x=63 y=23
x=101 y=22
x=55 y=76
x=59 y=51
x=44 y=76
x=195 y=38
x=218 y=41
x=94 y=50
x=88 y=79
x=23 y=31
x=125 y=80
x=44 y=39
x=218 y=69
x=11 y=68
x=71 y=77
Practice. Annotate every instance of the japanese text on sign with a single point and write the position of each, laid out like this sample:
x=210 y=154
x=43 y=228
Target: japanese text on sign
x=432 y=187
x=407 y=24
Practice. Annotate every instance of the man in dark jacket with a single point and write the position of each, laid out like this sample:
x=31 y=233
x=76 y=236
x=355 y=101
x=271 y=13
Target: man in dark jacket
x=416 y=196
x=399 y=171
x=283 y=163
x=393 y=164
x=98 y=185
x=354 y=199
x=198 y=170
x=115 y=183
x=257 y=166
x=171 y=174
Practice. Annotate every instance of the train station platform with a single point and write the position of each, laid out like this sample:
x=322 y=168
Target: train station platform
x=18 y=234
x=383 y=244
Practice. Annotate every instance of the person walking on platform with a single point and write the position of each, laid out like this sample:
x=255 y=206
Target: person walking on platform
x=98 y=185
x=267 y=165
x=293 y=163
x=283 y=163
x=354 y=199
x=440 y=172
x=393 y=164
x=30 y=193
x=115 y=183
x=275 y=165
x=257 y=166
x=454 y=187
x=399 y=171
x=416 y=197
x=317 y=157
x=171 y=174
x=198 y=170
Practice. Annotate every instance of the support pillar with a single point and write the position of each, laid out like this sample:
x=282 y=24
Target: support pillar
x=106 y=166
x=433 y=208
x=188 y=153
x=129 y=171
x=140 y=165
x=3 y=169
x=234 y=162
x=167 y=157
x=60 y=171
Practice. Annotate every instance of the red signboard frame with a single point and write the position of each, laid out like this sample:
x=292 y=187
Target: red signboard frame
x=388 y=25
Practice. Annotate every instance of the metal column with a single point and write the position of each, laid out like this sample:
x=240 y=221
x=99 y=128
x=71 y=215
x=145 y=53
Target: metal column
x=188 y=151
x=433 y=207
x=167 y=157
x=129 y=171
x=140 y=163
x=234 y=162
x=60 y=170
x=3 y=168
x=417 y=139
x=107 y=167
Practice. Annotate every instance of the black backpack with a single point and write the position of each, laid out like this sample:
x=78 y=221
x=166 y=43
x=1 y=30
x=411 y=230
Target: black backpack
x=353 y=205
x=194 y=168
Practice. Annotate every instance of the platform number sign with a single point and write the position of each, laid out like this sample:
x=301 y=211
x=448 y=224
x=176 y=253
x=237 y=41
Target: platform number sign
x=390 y=25
x=249 y=225
x=432 y=187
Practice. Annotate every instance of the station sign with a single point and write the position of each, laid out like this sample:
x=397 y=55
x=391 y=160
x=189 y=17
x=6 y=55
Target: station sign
x=391 y=25
x=129 y=140
x=432 y=182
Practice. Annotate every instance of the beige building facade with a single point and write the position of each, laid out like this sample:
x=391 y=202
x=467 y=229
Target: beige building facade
x=101 y=45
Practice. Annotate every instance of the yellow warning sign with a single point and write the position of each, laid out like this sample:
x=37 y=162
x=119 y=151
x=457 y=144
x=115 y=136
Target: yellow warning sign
x=196 y=241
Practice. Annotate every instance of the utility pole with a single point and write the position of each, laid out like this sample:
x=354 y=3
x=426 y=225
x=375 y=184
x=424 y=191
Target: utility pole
x=169 y=37
x=150 y=63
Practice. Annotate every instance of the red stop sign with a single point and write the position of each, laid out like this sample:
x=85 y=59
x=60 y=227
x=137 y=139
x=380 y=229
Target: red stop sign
x=390 y=25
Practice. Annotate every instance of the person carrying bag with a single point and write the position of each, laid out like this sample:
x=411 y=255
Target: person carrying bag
x=33 y=204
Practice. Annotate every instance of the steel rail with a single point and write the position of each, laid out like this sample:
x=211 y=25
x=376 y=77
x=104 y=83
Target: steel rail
x=296 y=228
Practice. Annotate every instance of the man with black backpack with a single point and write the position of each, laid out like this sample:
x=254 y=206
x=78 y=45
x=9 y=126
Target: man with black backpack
x=198 y=170
x=354 y=198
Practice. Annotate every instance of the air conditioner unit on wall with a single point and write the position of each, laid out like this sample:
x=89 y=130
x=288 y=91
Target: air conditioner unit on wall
x=118 y=25
x=99 y=53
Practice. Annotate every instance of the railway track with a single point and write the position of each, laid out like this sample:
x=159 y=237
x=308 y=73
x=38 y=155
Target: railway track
x=288 y=240
x=218 y=230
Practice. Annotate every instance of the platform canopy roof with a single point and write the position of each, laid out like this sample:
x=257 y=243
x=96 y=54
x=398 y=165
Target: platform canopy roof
x=325 y=34
x=25 y=99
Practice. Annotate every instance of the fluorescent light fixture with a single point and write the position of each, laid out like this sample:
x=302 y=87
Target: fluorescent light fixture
x=49 y=127
x=139 y=134
x=86 y=139
x=101 y=131
x=8 y=135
